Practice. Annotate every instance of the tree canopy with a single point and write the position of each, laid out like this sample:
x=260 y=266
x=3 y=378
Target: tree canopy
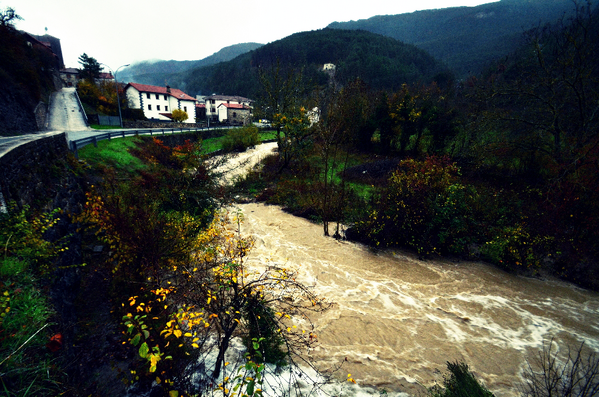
x=9 y=16
x=90 y=67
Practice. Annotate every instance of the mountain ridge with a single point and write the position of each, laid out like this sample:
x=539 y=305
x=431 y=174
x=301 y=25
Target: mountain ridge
x=467 y=39
x=154 y=72
x=382 y=62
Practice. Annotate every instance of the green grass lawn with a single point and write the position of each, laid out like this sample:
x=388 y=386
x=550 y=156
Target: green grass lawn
x=115 y=152
x=104 y=127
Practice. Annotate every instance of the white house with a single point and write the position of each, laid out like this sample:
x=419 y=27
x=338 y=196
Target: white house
x=234 y=113
x=214 y=101
x=159 y=102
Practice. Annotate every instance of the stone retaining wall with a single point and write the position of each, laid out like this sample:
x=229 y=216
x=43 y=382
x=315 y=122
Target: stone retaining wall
x=29 y=171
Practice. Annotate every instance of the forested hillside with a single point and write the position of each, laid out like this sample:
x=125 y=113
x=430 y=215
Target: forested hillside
x=465 y=38
x=154 y=72
x=381 y=62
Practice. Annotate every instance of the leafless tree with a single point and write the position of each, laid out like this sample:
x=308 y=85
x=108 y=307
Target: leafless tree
x=576 y=375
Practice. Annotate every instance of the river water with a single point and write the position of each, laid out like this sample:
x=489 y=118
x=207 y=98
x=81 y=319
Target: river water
x=398 y=320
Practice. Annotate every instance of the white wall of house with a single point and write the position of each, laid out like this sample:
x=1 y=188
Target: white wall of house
x=222 y=112
x=133 y=98
x=153 y=104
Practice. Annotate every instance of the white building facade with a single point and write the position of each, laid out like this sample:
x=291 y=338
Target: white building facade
x=158 y=102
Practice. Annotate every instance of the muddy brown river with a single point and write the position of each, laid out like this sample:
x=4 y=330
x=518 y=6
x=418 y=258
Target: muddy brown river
x=398 y=320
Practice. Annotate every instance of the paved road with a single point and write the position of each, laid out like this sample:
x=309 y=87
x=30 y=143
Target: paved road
x=65 y=114
x=9 y=143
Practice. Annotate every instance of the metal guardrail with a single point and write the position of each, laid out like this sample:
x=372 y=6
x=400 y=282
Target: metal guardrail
x=76 y=144
x=81 y=108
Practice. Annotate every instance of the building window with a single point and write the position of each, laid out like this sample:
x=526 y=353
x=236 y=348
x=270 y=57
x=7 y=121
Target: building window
x=148 y=95
x=149 y=107
x=212 y=101
x=158 y=107
x=212 y=110
x=165 y=98
x=185 y=108
x=234 y=114
x=166 y=108
x=157 y=96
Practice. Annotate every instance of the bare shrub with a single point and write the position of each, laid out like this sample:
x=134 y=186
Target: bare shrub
x=575 y=376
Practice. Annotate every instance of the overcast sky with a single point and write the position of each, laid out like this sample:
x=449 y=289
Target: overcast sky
x=118 y=32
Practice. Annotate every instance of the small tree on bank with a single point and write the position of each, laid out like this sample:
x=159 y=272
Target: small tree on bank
x=179 y=115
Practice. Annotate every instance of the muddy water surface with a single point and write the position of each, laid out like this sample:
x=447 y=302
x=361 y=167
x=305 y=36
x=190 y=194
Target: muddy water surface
x=398 y=320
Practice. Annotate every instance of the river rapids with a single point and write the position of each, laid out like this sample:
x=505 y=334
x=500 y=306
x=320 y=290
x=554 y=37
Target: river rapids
x=396 y=320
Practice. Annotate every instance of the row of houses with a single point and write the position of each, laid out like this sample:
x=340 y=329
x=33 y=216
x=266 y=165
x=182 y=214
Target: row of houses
x=158 y=103
x=71 y=76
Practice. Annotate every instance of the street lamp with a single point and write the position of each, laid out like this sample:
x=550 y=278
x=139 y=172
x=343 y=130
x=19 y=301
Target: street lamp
x=116 y=86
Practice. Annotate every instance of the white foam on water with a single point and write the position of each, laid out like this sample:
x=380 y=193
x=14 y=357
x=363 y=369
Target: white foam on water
x=277 y=381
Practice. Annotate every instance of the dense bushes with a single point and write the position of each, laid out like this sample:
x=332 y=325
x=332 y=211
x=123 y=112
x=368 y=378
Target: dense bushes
x=240 y=139
x=422 y=207
x=28 y=366
x=429 y=207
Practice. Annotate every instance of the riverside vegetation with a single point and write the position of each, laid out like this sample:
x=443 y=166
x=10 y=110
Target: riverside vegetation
x=501 y=168
x=176 y=286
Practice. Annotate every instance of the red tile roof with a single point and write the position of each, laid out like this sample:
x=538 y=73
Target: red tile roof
x=162 y=90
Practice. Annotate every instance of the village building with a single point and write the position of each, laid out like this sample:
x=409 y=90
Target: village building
x=72 y=76
x=213 y=103
x=234 y=113
x=158 y=103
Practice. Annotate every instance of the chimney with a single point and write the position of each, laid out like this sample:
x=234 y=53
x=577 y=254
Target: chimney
x=168 y=89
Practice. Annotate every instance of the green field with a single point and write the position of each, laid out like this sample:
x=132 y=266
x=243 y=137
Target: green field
x=115 y=152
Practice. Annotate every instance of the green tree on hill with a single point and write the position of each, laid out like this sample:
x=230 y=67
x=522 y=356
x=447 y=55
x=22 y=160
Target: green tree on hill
x=90 y=67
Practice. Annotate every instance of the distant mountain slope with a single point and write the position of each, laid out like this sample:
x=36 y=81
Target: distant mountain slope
x=465 y=38
x=155 y=72
x=380 y=61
